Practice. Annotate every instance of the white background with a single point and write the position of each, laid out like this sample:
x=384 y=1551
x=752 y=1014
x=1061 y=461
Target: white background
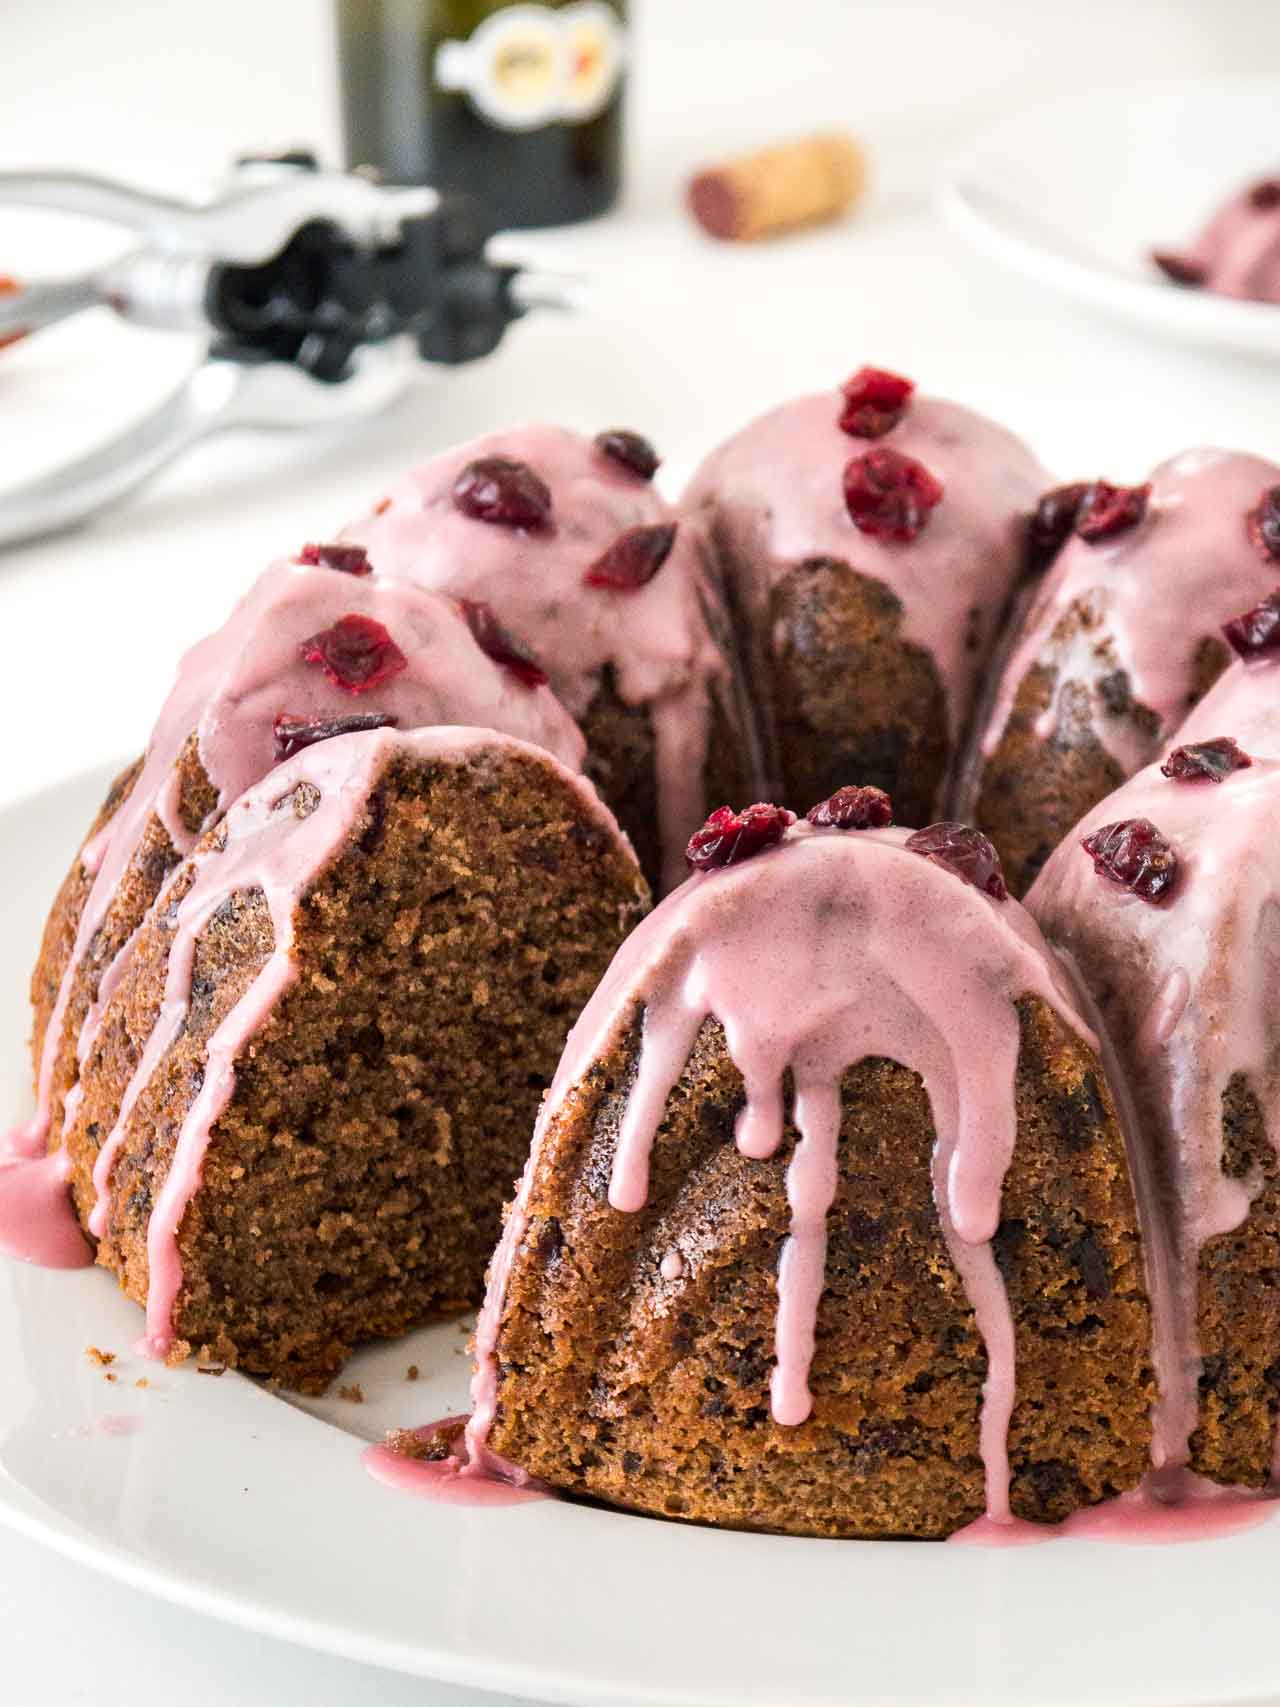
x=686 y=339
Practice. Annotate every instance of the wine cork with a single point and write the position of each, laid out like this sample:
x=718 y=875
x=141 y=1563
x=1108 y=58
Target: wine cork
x=779 y=189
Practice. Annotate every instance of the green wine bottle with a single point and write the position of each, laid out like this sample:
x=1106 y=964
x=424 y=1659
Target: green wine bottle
x=517 y=105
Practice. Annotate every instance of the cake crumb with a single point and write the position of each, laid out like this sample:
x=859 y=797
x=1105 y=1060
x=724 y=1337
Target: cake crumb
x=353 y=1392
x=101 y=1358
x=142 y=1381
x=411 y=1373
x=211 y=1369
x=108 y=1376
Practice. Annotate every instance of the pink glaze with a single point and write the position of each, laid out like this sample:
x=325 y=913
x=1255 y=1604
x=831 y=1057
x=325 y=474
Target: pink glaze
x=814 y=955
x=1187 y=991
x=1238 y=252
x=656 y=639
x=37 y=1222
x=1153 y=591
x=452 y=1480
x=230 y=688
x=268 y=847
x=1178 y=1508
x=773 y=494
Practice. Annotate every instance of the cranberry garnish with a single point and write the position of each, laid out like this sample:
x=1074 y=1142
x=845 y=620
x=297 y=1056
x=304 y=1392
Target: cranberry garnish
x=1264 y=523
x=874 y=402
x=1210 y=759
x=348 y=559
x=853 y=809
x=963 y=851
x=292 y=734
x=634 y=558
x=1181 y=269
x=888 y=495
x=1134 y=854
x=500 y=489
x=1106 y=509
x=501 y=645
x=356 y=653
x=1051 y=523
x=1266 y=195
x=629 y=450
x=1255 y=631
x=729 y=837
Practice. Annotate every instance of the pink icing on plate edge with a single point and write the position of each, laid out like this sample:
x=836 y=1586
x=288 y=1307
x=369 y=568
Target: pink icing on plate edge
x=1238 y=252
x=784 y=959
x=657 y=639
x=449 y=1480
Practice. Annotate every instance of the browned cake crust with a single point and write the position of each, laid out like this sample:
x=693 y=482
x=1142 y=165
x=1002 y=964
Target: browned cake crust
x=154 y=859
x=354 y=1183
x=653 y=1394
x=1034 y=791
x=839 y=696
x=1238 y=1314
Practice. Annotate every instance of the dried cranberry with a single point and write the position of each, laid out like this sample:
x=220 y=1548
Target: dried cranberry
x=501 y=645
x=356 y=653
x=292 y=734
x=888 y=495
x=500 y=489
x=634 y=558
x=1107 y=509
x=874 y=402
x=1265 y=195
x=1134 y=854
x=348 y=559
x=1210 y=759
x=1051 y=522
x=1255 y=631
x=629 y=450
x=1264 y=523
x=1181 y=269
x=729 y=837
x=853 y=809
x=965 y=852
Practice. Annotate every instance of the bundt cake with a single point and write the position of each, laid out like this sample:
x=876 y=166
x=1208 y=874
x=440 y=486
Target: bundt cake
x=310 y=1088
x=609 y=591
x=869 y=541
x=827 y=1226
x=315 y=645
x=1167 y=895
x=1238 y=252
x=1122 y=639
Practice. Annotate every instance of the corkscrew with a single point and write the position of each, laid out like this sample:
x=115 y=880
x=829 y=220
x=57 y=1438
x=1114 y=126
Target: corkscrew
x=319 y=294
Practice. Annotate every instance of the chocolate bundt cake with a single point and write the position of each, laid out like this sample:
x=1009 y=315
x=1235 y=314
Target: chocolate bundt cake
x=869 y=542
x=313 y=1083
x=1122 y=639
x=827 y=1226
x=608 y=590
x=314 y=646
x=1167 y=895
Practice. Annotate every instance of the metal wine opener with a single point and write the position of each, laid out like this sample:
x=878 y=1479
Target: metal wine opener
x=319 y=294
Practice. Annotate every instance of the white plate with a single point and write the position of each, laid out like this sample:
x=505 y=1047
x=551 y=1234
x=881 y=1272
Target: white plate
x=1076 y=193
x=241 y=1504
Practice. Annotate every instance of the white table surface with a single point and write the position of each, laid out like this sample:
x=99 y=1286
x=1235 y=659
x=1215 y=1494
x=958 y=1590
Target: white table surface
x=685 y=341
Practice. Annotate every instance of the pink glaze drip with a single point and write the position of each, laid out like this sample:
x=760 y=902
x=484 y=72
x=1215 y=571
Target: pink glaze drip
x=813 y=956
x=230 y=688
x=656 y=638
x=1187 y=991
x=452 y=1480
x=774 y=494
x=1239 y=250
x=269 y=848
x=37 y=1224
x=1154 y=591
x=1177 y=1507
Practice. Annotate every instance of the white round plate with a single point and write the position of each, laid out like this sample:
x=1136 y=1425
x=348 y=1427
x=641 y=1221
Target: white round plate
x=1076 y=193
x=237 y=1502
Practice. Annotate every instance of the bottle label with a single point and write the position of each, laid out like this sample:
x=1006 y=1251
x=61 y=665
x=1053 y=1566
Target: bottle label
x=527 y=66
